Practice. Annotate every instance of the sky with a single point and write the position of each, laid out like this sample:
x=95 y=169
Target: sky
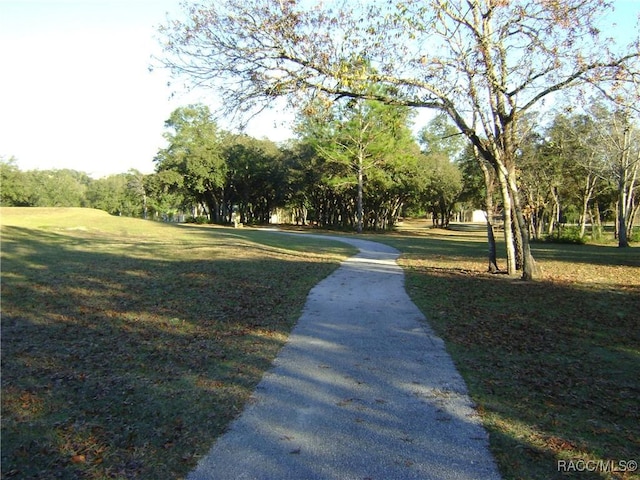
x=76 y=91
x=75 y=87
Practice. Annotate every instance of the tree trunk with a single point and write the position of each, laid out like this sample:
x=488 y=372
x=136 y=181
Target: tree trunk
x=632 y=206
x=508 y=231
x=542 y=214
x=596 y=223
x=555 y=217
x=622 y=218
x=585 y=207
x=632 y=218
x=360 y=187
x=212 y=205
x=518 y=233
x=624 y=194
x=491 y=238
x=529 y=268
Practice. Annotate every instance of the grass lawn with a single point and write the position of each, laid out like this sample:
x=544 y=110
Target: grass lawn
x=554 y=365
x=129 y=345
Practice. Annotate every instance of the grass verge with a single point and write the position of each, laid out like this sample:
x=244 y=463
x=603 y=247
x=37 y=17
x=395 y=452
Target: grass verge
x=128 y=346
x=553 y=365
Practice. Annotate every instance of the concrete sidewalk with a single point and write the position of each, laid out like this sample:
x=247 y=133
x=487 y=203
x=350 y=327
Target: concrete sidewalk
x=363 y=389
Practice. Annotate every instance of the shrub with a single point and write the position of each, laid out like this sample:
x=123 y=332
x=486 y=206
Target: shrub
x=200 y=219
x=566 y=234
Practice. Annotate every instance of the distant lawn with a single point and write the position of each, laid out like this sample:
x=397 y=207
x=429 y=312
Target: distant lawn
x=554 y=365
x=129 y=345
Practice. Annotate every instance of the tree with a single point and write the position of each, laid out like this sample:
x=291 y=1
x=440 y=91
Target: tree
x=164 y=200
x=482 y=62
x=194 y=156
x=13 y=191
x=364 y=140
x=479 y=191
x=120 y=194
x=620 y=139
x=302 y=178
x=540 y=177
x=137 y=189
x=443 y=188
x=443 y=145
x=55 y=188
x=441 y=137
x=571 y=161
x=109 y=194
x=255 y=178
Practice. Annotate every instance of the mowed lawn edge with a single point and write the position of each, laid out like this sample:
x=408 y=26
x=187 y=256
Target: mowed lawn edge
x=553 y=365
x=129 y=345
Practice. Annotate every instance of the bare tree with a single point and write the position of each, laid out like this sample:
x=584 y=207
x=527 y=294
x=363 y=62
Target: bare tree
x=482 y=62
x=620 y=142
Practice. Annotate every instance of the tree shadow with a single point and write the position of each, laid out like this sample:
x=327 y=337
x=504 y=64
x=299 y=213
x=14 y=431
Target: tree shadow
x=588 y=254
x=554 y=367
x=118 y=362
x=361 y=390
x=475 y=248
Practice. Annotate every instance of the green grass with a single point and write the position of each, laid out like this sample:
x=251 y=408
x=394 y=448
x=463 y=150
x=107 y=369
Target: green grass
x=554 y=365
x=128 y=345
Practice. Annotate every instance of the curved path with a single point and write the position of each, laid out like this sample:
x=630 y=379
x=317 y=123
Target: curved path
x=363 y=389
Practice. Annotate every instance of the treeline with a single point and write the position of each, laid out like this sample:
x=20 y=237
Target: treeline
x=358 y=166
x=121 y=194
x=207 y=174
x=583 y=169
x=352 y=166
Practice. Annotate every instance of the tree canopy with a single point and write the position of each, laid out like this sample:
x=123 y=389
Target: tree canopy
x=482 y=62
x=365 y=144
x=193 y=159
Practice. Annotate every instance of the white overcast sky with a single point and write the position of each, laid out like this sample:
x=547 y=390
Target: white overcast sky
x=75 y=86
x=76 y=92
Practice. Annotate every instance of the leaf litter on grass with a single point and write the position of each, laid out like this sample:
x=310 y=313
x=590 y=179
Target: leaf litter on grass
x=126 y=354
x=552 y=364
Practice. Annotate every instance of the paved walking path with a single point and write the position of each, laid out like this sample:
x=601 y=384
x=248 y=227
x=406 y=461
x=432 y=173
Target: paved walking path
x=363 y=389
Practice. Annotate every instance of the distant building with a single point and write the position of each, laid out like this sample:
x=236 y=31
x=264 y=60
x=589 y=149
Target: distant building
x=478 y=216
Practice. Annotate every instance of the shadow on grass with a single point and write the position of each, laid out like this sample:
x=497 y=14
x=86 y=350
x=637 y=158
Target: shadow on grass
x=360 y=392
x=463 y=247
x=555 y=369
x=588 y=254
x=118 y=361
x=474 y=247
x=266 y=238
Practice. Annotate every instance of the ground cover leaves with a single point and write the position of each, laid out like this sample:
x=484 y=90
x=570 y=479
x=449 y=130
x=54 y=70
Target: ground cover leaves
x=124 y=355
x=554 y=365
